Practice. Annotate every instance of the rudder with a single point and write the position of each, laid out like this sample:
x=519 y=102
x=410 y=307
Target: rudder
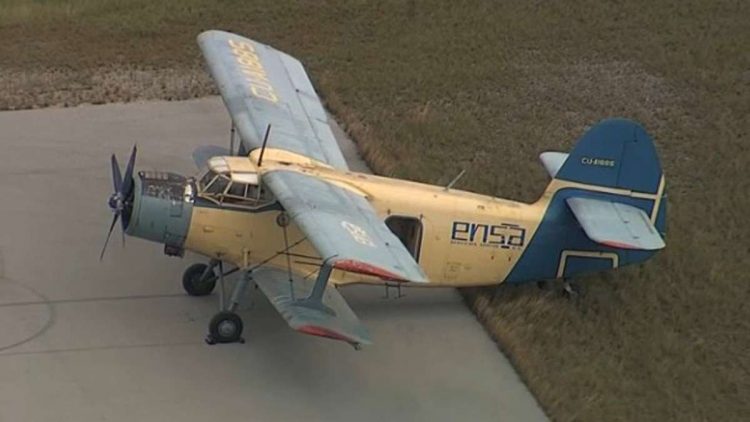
x=615 y=153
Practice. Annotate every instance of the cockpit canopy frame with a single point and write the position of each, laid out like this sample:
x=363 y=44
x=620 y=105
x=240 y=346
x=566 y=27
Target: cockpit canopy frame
x=226 y=186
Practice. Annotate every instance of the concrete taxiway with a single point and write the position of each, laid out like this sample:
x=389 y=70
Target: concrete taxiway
x=118 y=340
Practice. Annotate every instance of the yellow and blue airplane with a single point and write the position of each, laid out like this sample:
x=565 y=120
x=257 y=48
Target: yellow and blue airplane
x=285 y=210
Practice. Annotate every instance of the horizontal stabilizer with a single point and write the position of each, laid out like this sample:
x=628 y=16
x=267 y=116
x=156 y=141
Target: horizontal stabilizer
x=338 y=322
x=615 y=224
x=552 y=161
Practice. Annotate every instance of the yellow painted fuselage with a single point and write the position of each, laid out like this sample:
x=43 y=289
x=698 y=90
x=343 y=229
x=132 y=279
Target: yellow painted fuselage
x=467 y=239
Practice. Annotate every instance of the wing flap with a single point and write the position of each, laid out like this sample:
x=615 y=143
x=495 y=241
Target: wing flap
x=343 y=227
x=615 y=224
x=340 y=324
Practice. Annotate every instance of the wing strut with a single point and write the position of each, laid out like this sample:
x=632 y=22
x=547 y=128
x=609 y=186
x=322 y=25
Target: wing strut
x=315 y=299
x=283 y=220
x=231 y=139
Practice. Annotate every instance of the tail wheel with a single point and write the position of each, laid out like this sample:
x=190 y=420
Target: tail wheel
x=194 y=282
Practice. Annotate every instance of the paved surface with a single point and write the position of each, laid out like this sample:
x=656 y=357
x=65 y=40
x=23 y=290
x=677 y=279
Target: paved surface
x=82 y=340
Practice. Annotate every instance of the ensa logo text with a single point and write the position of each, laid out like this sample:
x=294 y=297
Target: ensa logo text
x=502 y=235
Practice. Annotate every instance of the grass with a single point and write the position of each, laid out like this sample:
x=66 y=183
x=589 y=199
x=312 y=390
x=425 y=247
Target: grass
x=428 y=88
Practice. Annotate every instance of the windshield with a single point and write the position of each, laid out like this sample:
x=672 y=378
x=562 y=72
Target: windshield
x=206 y=179
x=240 y=190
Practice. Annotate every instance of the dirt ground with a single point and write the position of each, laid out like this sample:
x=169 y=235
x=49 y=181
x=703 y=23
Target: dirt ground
x=430 y=88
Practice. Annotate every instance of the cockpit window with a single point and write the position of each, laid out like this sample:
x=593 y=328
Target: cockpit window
x=218 y=185
x=206 y=179
x=246 y=194
x=239 y=190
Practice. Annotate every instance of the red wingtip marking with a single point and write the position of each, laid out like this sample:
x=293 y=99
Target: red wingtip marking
x=314 y=330
x=619 y=245
x=367 y=269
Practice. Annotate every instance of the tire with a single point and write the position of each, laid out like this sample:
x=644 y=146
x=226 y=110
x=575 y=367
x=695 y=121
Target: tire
x=192 y=283
x=225 y=327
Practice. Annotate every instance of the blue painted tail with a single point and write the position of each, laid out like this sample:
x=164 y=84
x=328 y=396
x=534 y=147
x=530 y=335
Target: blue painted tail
x=616 y=154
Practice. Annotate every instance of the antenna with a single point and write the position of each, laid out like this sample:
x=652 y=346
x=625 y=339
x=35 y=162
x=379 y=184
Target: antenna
x=265 y=141
x=231 y=140
x=455 y=180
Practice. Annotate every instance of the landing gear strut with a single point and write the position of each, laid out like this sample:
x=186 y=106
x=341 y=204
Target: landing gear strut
x=570 y=290
x=226 y=326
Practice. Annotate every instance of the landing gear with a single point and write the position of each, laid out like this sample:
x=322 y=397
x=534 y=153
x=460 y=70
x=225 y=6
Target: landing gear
x=225 y=327
x=570 y=290
x=199 y=279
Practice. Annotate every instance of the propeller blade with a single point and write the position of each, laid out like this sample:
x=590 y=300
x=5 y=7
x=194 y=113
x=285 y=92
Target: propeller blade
x=127 y=183
x=109 y=234
x=123 y=223
x=116 y=177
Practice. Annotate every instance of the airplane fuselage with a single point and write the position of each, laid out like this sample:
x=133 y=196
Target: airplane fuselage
x=459 y=238
x=466 y=238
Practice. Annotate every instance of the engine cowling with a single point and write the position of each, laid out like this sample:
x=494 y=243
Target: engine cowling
x=162 y=208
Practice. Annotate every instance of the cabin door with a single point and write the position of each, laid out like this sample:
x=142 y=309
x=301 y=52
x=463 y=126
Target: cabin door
x=409 y=231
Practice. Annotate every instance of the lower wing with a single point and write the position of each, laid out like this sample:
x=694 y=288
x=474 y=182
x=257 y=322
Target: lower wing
x=335 y=320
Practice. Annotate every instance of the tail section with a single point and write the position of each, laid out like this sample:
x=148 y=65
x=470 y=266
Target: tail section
x=615 y=153
x=605 y=207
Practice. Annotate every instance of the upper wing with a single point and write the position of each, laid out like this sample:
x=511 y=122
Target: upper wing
x=339 y=323
x=343 y=227
x=262 y=86
x=615 y=224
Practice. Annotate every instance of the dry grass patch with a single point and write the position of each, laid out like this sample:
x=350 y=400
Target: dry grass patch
x=65 y=87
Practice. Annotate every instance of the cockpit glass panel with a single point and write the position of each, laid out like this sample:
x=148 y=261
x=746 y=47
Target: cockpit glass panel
x=236 y=189
x=206 y=179
x=233 y=189
x=252 y=192
x=219 y=185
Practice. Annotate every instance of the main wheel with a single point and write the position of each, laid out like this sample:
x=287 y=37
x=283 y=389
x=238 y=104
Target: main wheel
x=194 y=283
x=225 y=327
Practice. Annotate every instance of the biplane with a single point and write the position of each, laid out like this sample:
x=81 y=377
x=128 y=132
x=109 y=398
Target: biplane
x=281 y=207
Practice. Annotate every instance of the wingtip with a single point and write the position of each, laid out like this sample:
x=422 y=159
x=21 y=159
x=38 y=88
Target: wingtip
x=360 y=267
x=315 y=330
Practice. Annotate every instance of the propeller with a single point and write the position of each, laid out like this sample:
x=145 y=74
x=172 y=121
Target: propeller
x=119 y=201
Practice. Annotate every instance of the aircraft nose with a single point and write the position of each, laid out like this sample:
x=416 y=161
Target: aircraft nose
x=162 y=209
